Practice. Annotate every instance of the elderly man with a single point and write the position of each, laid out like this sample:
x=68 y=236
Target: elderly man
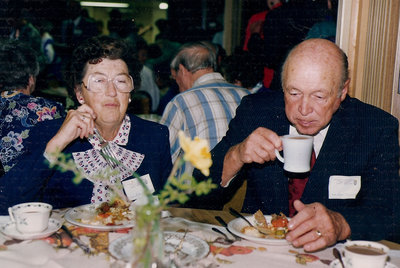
x=206 y=103
x=355 y=143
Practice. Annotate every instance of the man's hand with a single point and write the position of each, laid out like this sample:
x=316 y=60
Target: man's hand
x=258 y=147
x=316 y=227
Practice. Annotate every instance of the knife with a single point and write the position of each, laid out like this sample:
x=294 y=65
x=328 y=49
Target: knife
x=77 y=241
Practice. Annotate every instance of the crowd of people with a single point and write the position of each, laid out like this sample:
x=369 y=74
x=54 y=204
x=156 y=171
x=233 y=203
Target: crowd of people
x=241 y=104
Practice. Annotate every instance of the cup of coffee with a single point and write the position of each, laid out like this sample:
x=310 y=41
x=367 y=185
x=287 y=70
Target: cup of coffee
x=32 y=217
x=365 y=254
x=297 y=150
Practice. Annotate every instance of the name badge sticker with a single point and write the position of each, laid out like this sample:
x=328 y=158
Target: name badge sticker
x=344 y=187
x=133 y=189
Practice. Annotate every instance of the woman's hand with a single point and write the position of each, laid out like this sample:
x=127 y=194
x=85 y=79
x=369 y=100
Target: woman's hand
x=78 y=123
x=316 y=227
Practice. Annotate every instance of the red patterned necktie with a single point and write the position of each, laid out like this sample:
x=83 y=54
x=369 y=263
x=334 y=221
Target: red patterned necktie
x=296 y=187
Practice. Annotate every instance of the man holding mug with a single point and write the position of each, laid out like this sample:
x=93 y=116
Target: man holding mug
x=353 y=188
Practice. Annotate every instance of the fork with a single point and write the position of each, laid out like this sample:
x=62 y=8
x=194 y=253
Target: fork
x=226 y=239
x=223 y=223
x=106 y=151
x=238 y=214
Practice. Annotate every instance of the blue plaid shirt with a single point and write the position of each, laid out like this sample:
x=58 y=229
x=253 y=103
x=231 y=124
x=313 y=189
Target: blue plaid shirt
x=204 y=111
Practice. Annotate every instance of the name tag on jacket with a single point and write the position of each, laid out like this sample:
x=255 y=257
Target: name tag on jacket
x=344 y=187
x=134 y=190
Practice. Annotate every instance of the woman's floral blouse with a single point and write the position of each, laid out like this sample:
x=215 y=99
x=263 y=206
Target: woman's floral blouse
x=18 y=113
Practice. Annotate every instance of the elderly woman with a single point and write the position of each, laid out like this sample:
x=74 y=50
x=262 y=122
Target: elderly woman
x=103 y=73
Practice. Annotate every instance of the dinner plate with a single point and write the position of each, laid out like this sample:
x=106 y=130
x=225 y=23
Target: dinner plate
x=193 y=248
x=236 y=225
x=336 y=264
x=10 y=230
x=75 y=215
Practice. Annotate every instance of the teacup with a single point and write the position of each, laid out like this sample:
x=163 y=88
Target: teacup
x=297 y=150
x=32 y=217
x=365 y=254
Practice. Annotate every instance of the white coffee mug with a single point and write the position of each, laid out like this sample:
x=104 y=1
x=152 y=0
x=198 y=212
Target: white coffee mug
x=364 y=254
x=32 y=217
x=297 y=150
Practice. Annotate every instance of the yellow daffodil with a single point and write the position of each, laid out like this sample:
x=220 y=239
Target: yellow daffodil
x=197 y=151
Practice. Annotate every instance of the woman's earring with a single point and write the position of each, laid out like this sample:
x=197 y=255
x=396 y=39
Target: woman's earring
x=81 y=101
x=129 y=100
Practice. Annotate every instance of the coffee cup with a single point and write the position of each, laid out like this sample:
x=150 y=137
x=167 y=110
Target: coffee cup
x=297 y=150
x=32 y=217
x=365 y=254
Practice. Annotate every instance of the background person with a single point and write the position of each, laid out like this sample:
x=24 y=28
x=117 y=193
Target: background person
x=19 y=111
x=354 y=142
x=286 y=26
x=206 y=102
x=242 y=69
x=254 y=37
x=103 y=71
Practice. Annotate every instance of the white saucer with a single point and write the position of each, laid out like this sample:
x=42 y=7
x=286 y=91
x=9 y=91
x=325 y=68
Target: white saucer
x=10 y=230
x=336 y=264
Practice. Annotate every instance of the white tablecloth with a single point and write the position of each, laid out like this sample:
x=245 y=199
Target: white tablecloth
x=39 y=253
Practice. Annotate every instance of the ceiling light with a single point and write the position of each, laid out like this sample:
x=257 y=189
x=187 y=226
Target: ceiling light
x=163 y=5
x=104 y=4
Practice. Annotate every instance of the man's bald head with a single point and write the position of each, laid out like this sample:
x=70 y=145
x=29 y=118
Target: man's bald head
x=322 y=52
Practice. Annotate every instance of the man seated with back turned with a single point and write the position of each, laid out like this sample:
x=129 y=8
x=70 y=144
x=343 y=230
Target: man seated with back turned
x=206 y=102
x=355 y=144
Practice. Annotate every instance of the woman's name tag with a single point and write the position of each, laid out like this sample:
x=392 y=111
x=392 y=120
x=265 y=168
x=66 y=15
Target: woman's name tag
x=134 y=190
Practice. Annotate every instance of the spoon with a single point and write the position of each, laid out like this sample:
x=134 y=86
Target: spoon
x=223 y=223
x=337 y=255
x=238 y=214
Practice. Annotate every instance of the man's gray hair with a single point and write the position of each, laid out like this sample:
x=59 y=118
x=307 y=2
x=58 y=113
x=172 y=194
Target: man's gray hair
x=195 y=56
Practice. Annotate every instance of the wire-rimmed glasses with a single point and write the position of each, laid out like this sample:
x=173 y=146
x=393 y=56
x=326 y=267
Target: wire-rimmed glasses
x=98 y=83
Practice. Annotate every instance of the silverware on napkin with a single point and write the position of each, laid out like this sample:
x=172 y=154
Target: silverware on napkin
x=77 y=241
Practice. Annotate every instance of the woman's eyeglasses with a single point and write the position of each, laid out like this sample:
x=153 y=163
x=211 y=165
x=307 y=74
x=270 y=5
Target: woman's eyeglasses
x=99 y=83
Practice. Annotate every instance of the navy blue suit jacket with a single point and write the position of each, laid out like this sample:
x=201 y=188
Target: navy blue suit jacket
x=362 y=140
x=32 y=179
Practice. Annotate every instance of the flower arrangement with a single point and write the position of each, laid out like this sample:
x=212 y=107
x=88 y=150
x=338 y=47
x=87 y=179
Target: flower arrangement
x=148 y=211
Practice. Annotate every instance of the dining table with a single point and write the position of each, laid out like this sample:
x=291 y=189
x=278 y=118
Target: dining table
x=208 y=247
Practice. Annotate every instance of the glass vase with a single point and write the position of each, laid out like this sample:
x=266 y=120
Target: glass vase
x=148 y=240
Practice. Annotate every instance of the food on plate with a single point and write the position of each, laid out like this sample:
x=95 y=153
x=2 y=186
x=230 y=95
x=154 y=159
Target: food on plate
x=277 y=228
x=113 y=213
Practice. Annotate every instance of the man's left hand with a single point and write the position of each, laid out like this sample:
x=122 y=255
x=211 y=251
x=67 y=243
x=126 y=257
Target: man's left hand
x=316 y=227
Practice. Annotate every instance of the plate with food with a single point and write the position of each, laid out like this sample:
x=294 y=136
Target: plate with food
x=268 y=229
x=105 y=216
x=192 y=248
